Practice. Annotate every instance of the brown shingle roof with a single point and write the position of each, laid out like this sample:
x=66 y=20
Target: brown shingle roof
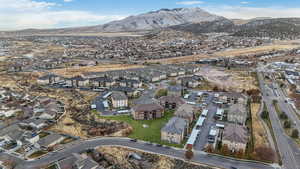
x=171 y=99
x=148 y=107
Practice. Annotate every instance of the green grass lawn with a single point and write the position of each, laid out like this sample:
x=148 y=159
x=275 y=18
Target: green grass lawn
x=152 y=133
x=37 y=154
x=67 y=140
x=43 y=134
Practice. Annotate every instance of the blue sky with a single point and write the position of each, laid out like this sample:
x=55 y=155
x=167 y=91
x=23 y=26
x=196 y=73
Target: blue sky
x=22 y=14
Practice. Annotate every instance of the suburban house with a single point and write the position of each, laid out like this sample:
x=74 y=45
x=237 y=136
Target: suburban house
x=232 y=98
x=102 y=82
x=130 y=83
x=119 y=100
x=78 y=161
x=15 y=67
x=50 y=140
x=171 y=102
x=48 y=115
x=37 y=123
x=175 y=90
x=175 y=130
x=235 y=137
x=237 y=113
x=31 y=137
x=12 y=133
x=147 y=111
x=186 y=111
x=48 y=79
x=190 y=81
x=130 y=92
x=77 y=81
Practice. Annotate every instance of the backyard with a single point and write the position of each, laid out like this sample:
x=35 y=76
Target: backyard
x=147 y=130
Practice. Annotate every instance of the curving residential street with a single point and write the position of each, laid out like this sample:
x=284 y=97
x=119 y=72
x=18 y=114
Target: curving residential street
x=199 y=157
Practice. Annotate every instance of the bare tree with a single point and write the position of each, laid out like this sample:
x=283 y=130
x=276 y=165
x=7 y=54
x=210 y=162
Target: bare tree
x=189 y=154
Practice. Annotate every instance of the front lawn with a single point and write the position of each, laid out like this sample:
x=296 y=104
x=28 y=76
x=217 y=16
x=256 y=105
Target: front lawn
x=43 y=134
x=151 y=133
x=67 y=140
x=37 y=154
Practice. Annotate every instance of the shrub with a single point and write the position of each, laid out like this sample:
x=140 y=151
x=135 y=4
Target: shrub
x=225 y=150
x=189 y=154
x=283 y=115
x=287 y=124
x=265 y=114
x=264 y=153
x=295 y=133
x=161 y=92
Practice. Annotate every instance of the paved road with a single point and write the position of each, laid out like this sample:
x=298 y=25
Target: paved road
x=209 y=122
x=288 y=149
x=175 y=153
x=286 y=107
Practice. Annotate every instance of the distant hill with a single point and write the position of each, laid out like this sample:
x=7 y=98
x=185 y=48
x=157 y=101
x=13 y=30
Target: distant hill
x=278 y=28
x=206 y=27
x=194 y=20
x=244 y=21
x=160 y=19
x=148 y=21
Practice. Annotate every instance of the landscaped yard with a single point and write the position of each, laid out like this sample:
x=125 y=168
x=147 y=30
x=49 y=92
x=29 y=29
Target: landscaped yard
x=67 y=140
x=43 y=134
x=37 y=154
x=151 y=133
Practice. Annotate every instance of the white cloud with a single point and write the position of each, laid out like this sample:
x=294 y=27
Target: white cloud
x=25 y=5
x=189 y=2
x=245 y=2
x=23 y=14
x=252 y=12
x=68 y=0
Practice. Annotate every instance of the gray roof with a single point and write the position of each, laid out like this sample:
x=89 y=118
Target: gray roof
x=171 y=99
x=185 y=110
x=237 y=109
x=13 y=131
x=176 y=88
x=16 y=135
x=235 y=133
x=48 y=76
x=175 y=125
x=144 y=100
x=116 y=95
x=46 y=141
x=85 y=162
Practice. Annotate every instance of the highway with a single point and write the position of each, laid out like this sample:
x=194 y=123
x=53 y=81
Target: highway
x=289 y=151
x=199 y=157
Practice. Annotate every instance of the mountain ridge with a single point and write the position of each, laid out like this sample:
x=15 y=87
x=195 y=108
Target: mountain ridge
x=195 y=20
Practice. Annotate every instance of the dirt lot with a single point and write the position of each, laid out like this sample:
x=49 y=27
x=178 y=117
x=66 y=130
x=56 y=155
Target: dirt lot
x=105 y=34
x=229 y=53
x=114 y=157
x=68 y=126
x=259 y=132
x=228 y=79
x=258 y=49
x=70 y=72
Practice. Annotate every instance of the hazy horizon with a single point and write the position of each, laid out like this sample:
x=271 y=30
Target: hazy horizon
x=50 y=14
